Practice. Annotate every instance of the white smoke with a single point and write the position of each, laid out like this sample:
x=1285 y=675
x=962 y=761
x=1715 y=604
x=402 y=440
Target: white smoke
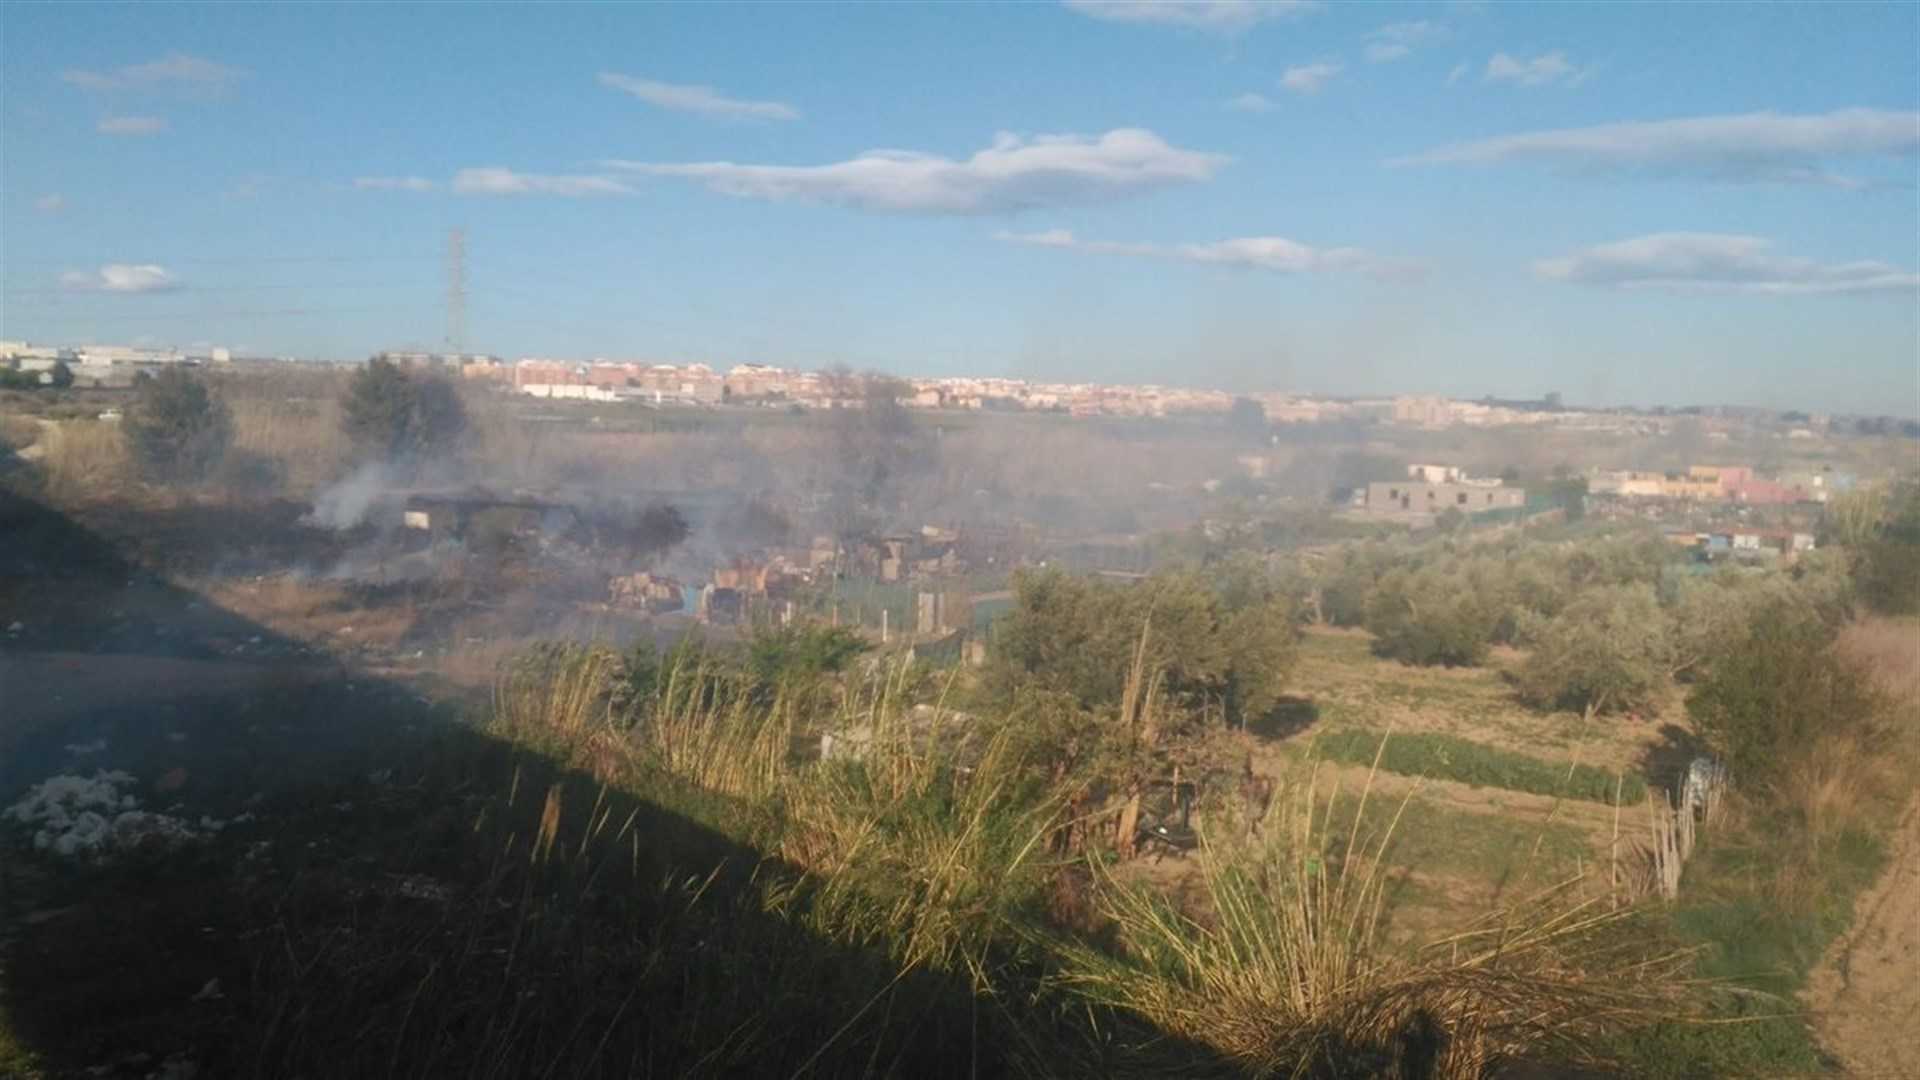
x=344 y=504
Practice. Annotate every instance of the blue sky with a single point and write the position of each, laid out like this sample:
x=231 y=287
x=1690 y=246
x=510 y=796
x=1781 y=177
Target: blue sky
x=1625 y=203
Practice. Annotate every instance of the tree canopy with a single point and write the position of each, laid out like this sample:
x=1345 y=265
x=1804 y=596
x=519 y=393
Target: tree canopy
x=1231 y=648
x=1607 y=651
x=176 y=429
x=398 y=416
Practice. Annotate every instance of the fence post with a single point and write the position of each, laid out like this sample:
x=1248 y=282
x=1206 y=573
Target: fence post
x=1613 y=849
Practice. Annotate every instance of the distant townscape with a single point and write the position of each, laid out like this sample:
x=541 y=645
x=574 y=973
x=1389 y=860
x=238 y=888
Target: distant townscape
x=701 y=385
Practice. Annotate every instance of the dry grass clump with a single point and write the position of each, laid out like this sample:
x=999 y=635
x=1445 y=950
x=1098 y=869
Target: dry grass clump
x=1843 y=788
x=293 y=420
x=86 y=461
x=18 y=432
x=1890 y=647
x=1284 y=972
x=934 y=861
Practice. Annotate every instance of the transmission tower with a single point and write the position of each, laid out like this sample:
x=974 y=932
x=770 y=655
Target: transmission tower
x=457 y=291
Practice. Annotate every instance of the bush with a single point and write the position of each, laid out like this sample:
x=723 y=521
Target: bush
x=176 y=429
x=1429 y=617
x=1079 y=637
x=1888 y=562
x=803 y=652
x=1772 y=692
x=1608 y=651
x=391 y=414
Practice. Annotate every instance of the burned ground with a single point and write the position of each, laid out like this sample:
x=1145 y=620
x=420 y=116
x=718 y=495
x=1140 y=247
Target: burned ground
x=398 y=892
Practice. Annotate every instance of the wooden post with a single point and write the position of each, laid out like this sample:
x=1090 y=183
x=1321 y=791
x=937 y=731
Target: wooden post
x=1613 y=849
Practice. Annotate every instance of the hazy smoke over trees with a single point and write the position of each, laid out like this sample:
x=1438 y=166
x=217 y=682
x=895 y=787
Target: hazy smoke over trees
x=397 y=416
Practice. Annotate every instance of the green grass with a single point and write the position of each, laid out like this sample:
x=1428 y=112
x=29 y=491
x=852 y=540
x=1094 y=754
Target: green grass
x=1450 y=757
x=1761 y=952
x=15 y=1059
x=1498 y=850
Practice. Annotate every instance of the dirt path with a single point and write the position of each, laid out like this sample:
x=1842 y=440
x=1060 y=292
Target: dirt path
x=1866 y=994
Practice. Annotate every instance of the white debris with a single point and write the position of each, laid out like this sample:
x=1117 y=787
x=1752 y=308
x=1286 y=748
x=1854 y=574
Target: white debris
x=82 y=817
x=421 y=887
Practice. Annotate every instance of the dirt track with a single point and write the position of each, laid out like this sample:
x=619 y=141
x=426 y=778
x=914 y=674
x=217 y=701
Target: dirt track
x=1866 y=994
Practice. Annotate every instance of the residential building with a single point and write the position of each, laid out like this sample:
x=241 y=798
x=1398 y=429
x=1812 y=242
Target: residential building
x=1419 y=497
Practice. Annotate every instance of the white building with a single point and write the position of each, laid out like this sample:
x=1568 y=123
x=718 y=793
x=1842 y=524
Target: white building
x=569 y=391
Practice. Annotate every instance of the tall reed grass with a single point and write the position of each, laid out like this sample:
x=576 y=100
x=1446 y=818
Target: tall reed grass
x=291 y=419
x=933 y=849
x=1283 y=971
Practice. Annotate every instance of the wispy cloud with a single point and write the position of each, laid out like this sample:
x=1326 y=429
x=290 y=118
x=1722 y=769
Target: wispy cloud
x=1272 y=253
x=175 y=70
x=50 y=204
x=698 y=99
x=1225 y=16
x=1015 y=173
x=120 y=278
x=1459 y=72
x=1253 y=103
x=1719 y=263
x=1309 y=78
x=393 y=183
x=1752 y=147
x=132 y=125
x=1395 y=41
x=1547 y=69
x=494 y=180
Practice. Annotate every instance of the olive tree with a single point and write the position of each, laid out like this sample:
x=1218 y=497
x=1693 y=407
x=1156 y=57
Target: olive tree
x=1432 y=616
x=1607 y=651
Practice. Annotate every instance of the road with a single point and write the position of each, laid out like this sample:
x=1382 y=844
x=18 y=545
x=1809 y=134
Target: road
x=1866 y=994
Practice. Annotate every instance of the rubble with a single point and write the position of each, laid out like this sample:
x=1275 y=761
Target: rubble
x=80 y=817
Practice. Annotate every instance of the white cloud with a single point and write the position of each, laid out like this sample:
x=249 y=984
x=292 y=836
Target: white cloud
x=1459 y=72
x=50 y=204
x=1226 y=16
x=1274 y=253
x=1015 y=173
x=120 y=278
x=393 y=183
x=1055 y=238
x=494 y=180
x=172 y=70
x=1309 y=78
x=1543 y=70
x=132 y=125
x=1751 y=147
x=1395 y=41
x=700 y=99
x=1720 y=263
x=1253 y=103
